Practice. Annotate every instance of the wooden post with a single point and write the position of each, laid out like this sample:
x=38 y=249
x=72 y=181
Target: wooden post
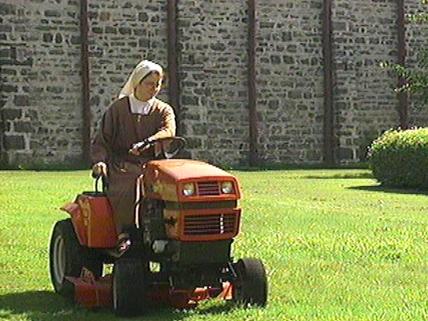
x=403 y=103
x=252 y=91
x=173 y=86
x=329 y=132
x=86 y=107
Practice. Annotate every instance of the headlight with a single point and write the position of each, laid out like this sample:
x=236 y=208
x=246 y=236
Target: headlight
x=227 y=187
x=188 y=189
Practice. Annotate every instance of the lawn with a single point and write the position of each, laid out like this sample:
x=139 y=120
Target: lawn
x=335 y=244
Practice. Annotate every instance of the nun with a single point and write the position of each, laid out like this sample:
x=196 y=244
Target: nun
x=135 y=119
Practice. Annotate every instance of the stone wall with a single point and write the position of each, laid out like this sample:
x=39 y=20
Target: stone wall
x=213 y=73
x=40 y=82
x=40 y=95
x=290 y=81
x=364 y=35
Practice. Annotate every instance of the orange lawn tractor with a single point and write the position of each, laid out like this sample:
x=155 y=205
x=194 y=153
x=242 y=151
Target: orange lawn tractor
x=185 y=221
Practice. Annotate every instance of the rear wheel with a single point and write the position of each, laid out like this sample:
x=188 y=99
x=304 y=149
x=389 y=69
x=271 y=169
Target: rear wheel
x=67 y=257
x=250 y=286
x=129 y=287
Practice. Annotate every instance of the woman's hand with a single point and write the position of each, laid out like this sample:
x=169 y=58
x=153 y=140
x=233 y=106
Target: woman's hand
x=99 y=169
x=140 y=147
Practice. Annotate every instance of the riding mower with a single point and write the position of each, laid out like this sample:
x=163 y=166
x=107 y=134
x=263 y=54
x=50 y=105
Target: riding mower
x=185 y=221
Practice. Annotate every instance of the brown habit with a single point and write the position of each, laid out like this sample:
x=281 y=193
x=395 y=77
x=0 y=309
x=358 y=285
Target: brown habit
x=119 y=130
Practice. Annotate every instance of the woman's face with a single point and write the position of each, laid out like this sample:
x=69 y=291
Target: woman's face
x=149 y=87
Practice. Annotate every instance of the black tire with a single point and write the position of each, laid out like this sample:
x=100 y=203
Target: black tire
x=250 y=286
x=67 y=257
x=129 y=287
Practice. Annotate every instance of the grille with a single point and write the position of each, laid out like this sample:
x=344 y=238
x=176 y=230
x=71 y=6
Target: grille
x=209 y=224
x=208 y=188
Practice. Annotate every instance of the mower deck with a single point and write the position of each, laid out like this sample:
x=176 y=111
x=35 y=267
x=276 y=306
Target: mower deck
x=91 y=293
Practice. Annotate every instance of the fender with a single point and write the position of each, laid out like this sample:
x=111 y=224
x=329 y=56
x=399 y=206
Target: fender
x=73 y=209
x=92 y=220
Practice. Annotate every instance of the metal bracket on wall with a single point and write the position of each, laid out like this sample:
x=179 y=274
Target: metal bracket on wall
x=329 y=132
x=84 y=58
x=252 y=90
x=173 y=86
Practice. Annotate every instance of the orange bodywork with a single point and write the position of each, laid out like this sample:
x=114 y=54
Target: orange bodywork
x=92 y=219
x=164 y=179
x=92 y=216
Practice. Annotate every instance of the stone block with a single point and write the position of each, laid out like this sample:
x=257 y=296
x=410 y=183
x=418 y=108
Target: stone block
x=11 y=114
x=47 y=37
x=97 y=30
x=289 y=60
x=200 y=129
x=295 y=94
x=13 y=142
x=193 y=142
x=155 y=19
x=286 y=36
x=109 y=30
x=273 y=104
x=23 y=127
x=144 y=43
x=8 y=28
x=275 y=60
x=8 y=89
x=345 y=153
x=267 y=24
x=7 y=9
x=338 y=25
x=218 y=46
x=52 y=13
x=105 y=16
x=58 y=38
x=143 y=17
x=125 y=31
x=21 y=100
x=55 y=89
x=5 y=53
x=190 y=100
x=9 y=72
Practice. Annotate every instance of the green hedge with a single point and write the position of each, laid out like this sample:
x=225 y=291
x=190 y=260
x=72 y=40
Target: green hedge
x=399 y=158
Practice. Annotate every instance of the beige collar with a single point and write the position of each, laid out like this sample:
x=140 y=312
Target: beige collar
x=140 y=107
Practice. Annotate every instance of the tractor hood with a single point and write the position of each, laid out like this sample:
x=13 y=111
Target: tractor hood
x=183 y=169
x=166 y=179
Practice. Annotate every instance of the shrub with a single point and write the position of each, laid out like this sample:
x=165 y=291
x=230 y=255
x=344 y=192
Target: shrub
x=399 y=158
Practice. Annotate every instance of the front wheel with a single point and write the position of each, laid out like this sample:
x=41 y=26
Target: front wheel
x=129 y=287
x=250 y=286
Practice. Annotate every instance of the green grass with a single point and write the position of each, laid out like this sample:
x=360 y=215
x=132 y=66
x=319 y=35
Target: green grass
x=336 y=247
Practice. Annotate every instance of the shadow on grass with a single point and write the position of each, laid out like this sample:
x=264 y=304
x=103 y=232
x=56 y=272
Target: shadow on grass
x=292 y=167
x=383 y=189
x=340 y=176
x=49 y=306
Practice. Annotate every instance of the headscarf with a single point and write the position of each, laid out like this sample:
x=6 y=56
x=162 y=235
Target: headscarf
x=140 y=71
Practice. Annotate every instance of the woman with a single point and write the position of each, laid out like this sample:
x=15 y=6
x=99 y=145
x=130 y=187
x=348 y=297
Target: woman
x=120 y=146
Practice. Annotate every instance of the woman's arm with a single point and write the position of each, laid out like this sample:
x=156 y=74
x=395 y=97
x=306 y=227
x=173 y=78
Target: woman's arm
x=167 y=127
x=102 y=144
